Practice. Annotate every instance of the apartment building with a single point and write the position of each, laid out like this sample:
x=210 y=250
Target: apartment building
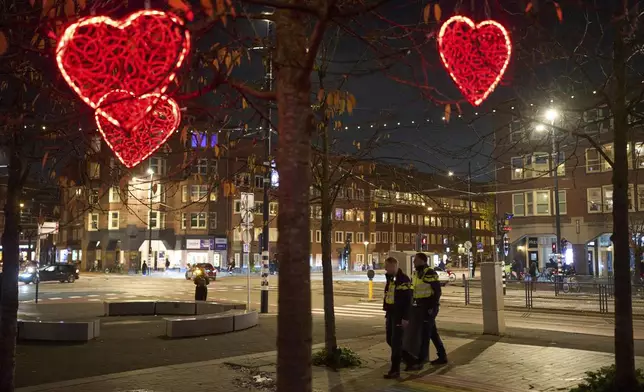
x=184 y=205
x=525 y=154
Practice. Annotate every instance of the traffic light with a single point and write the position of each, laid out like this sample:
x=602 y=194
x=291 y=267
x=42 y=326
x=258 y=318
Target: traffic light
x=554 y=248
x=506 y=244
x=423 y=242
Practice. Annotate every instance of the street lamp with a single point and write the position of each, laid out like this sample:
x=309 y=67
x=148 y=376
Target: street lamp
x=151 y=173
x=450 y=173
x=551 y=115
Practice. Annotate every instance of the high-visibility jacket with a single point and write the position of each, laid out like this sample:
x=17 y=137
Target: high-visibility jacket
x=398 y=295
x=426 y=286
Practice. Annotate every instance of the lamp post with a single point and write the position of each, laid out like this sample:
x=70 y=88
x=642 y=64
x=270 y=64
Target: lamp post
x=151 y=173
x=551 y=115
x=366 y=247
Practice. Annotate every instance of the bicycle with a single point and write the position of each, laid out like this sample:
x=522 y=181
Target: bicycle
x=570 y=283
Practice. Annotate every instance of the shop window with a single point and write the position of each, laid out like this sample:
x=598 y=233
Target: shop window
x=198 y=220
x=92 y=221
x=594 y=199
x=339 y=237
x=113 y=222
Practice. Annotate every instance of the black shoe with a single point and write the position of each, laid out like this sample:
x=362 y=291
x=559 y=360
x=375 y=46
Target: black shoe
x=439 y=361
x=392 y=375
x=413 y=367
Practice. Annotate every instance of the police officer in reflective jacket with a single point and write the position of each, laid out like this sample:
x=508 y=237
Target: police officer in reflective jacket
x=425 y=303
x=396 y=305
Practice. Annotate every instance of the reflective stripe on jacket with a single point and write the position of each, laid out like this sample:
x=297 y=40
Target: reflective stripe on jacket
x=390 y=294
x=423 y=285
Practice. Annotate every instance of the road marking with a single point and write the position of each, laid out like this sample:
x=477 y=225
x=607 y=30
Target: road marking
x=53 y=298
x=94 y=300
x=93 y=295
x=75 y=296
x=341 y=313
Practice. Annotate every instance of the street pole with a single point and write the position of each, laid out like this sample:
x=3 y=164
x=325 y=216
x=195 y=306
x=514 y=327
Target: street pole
x=268 y=82
x=555 y=160
x=469 y=196
x=150 y=219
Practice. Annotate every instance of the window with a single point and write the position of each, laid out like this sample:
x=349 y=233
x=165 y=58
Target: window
x=518 y=204
x=607 y=198
x=360 y=194
x=156 y=193
x=184 y=221
x=639 y=155
x=542 y=202
x=406 y=219
x=198 y=193
x=339 y=237
x=349 y=215
x=372 y=238
x=259 y=208
x=540 y=165
x=213 y=220
x=631 y=197
x=413 y=219
x=113 y=223
x=316 y=212
x=640 y=197
x=95 y=144
x=272 y=209
x=385 y=237
x=259 y=182
x=158 y=166
x=359 y=215
x=92 y=221
x=608 y=149
x=372 y=216
x=348 y=236
x=560 y=162
x=213 y=194
x=237 y=206
x=318 y=236
x=339 y=214
x=115 y=196
x=198 y=220
x=593 y=161
x=200 y=140
x=385 y=217
x=399 y=218
x=156 y=220
x=563 y=207
x=359 y=237
x=594 y=196
x=516 y=131
x=200 y=167
x=93 y=197
x=93 y=170
x=359 y=258
x=529 y=203
x=407 y=239
x=399 y=238
x=242 y=179
x=517 y=168
x=429 y=220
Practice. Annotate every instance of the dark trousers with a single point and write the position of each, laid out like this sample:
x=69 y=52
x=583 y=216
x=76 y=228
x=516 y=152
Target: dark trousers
x=430 y=333
x=395 y=341
x=201 y=293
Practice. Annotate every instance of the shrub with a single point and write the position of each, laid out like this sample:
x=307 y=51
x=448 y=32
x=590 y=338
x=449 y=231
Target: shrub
x=343 y=357
x=603 y=380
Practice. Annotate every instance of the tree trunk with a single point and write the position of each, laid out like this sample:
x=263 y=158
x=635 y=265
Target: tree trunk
x=10 y=253
x=295 y=122
x=624 y=350
x=330 y=339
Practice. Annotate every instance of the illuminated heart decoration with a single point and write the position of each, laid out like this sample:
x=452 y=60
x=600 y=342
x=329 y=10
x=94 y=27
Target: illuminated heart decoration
x=140 y=54
x=475 y=55
x=136 y=126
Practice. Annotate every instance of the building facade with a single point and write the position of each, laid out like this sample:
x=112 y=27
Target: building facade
x=526 y=186
x=184 y=207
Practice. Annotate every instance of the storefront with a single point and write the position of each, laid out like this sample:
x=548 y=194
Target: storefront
x=600 y=255
x=161 y=252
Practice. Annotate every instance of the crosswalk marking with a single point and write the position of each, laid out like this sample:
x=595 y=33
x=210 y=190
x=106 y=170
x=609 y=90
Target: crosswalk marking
x=360 y=310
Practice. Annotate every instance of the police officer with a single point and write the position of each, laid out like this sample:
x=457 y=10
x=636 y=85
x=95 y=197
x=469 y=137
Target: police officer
x=201 y=282
x=426 y=297
x=396 y=305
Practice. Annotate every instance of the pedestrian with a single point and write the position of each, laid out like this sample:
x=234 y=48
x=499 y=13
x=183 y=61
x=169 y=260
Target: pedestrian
x=144 y=268
x=167 y=265
x=201 y=282
x=397 y=302
x=422 y=320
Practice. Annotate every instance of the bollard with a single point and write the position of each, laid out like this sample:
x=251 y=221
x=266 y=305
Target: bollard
x=528 y=293
x=466 y=287
x=370 y=275
x=504 y=283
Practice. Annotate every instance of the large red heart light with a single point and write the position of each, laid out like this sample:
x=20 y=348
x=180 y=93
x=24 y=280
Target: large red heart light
x=133 y=130
x=139 y=54
x=475 y=55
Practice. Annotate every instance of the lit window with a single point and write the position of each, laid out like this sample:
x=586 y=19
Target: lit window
x=92 y=221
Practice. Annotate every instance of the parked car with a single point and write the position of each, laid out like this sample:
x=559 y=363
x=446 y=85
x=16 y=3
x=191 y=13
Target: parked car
x=211 y=272
x=60 y=272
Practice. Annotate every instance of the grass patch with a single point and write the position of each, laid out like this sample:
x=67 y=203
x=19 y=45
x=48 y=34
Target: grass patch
x=603 y=380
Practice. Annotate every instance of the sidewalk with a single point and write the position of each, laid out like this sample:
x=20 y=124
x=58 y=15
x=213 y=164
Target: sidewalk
x=483 y=364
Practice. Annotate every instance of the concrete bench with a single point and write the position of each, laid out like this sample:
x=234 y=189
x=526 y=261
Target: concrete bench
x=59 y=331
x=210 y=324
x=216 y=307
x=130 y=308
x=176 y=308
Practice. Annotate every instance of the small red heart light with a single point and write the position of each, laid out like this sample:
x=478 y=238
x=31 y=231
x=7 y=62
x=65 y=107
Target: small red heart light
x=140 y=54
x=475 y=55
x=135 y=127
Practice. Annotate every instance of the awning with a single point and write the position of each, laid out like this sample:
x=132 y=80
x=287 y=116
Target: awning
x=92 y=245
x=113 y=245
x=157 y=246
